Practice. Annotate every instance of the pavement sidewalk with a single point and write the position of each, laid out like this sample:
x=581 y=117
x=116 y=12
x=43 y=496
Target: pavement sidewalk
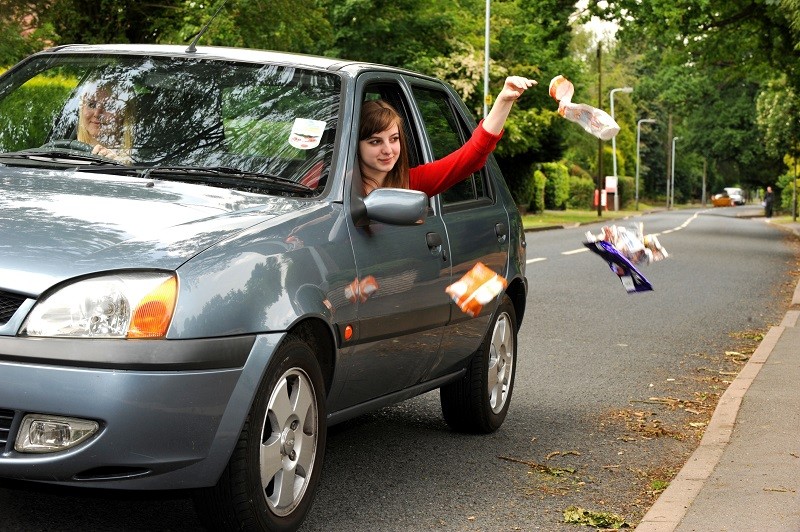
x=745 y=474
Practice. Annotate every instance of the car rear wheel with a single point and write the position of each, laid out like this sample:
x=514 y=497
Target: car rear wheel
x=479 y=402
x=271 y=477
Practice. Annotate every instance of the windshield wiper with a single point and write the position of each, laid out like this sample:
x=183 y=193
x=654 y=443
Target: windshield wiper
x=61 y=157
x=209 y=175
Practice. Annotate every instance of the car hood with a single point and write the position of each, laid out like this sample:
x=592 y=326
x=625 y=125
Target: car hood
x=57 y=225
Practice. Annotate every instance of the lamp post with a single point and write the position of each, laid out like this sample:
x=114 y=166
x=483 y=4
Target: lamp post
x=614 y=142
x=671 y=198
x=638 y=139
x=486 y=61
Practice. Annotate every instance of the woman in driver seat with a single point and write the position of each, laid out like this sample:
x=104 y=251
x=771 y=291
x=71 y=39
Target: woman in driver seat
x=104 y=121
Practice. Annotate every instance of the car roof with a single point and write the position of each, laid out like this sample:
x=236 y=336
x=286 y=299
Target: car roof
x=231 y=54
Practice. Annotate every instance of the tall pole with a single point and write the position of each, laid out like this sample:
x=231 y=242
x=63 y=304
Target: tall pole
x=638 y=141
x=614 y=144
x=486 y=61
x=614 y=138
x=600 y=179
x=794 y=191
x=672 y=197
x=705 y=177
x=669 y=159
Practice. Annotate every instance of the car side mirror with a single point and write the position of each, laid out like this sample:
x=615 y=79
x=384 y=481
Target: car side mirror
x=396 y=206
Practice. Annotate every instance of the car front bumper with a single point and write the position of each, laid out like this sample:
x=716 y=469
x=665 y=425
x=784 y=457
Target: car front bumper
x=169 y=415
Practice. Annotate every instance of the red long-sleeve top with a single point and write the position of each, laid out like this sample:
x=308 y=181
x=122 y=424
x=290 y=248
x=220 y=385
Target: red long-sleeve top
x=437 y=176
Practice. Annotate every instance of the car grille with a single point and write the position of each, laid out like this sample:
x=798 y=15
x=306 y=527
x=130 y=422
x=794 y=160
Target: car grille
x=6 y=417
x=9 y=303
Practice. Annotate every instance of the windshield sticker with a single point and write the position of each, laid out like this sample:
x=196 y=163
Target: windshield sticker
x=306 y=134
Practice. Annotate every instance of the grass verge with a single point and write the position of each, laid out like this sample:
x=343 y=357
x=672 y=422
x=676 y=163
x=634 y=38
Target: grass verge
x=576 y=217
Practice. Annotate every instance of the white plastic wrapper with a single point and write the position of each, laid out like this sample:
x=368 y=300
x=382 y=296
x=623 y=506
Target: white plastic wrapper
x=593 y=120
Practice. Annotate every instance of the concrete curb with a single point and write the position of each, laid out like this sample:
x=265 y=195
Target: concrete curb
x=671 y=507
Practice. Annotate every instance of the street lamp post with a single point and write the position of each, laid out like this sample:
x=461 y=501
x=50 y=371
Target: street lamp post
x=614 y=142
x=486 y=60
x=638 y=139
x=671 y=198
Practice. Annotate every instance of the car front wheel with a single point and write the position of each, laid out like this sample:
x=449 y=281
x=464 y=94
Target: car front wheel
x=479 y=402
x=271 y=477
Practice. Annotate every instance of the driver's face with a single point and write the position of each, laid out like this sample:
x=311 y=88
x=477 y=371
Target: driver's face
x=102 y=113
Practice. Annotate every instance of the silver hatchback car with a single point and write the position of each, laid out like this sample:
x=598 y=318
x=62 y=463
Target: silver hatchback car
x=195 y=307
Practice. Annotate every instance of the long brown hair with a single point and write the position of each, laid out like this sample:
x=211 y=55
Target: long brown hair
x=377 y=116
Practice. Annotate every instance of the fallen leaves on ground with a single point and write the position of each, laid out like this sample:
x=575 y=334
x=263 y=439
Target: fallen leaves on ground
x=580 y=516
x=542 y=468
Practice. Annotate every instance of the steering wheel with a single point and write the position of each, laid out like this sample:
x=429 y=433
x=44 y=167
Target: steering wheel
x=69 y=144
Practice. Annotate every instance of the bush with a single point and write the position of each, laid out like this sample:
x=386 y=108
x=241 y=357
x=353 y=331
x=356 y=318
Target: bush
x=538 y=185
x=556 y=190
x=626 y=188
x=784 y=193
x=27 y=115
x=581 y=192
x=517 y=173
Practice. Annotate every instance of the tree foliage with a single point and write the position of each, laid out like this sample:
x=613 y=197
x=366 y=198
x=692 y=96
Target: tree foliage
x=701 y=67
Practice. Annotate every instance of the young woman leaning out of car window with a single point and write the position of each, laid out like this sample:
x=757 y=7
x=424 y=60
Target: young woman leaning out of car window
x=382 y=153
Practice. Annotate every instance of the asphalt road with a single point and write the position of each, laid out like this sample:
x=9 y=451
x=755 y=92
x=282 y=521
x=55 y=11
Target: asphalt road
x=611 y=394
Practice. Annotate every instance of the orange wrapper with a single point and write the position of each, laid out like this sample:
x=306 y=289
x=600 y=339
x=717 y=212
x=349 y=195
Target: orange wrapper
x=476 y=288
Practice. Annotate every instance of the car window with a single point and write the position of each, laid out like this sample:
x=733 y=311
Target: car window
x=447 y=133
x=271 y=119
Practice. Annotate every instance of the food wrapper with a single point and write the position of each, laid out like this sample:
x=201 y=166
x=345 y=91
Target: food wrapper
x=476 y=288
x=593 y=120
x=624 y=250
x=631 y=278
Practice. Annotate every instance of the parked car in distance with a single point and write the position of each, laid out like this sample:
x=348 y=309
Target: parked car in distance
x=722 y=200
x=195 y=307
x=736 y=194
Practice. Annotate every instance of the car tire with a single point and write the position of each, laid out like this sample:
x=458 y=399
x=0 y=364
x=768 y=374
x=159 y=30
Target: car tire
x=273 y=472
x=478 y=403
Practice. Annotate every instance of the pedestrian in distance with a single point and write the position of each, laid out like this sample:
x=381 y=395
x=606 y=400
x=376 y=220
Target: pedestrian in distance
x=769 y=199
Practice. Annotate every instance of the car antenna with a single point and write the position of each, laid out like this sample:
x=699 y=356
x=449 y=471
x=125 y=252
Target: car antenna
x=193 y=46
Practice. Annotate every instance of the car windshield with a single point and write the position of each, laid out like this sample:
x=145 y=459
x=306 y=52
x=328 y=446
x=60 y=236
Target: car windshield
x=163 y=112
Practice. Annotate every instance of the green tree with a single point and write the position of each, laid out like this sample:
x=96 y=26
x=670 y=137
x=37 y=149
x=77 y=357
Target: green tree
x=21 y=31
x=110 y=21
x=301 y=27
x=403 y=33
x=704 y=62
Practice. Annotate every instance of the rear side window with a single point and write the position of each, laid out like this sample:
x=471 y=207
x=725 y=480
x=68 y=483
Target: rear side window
x=447 y=133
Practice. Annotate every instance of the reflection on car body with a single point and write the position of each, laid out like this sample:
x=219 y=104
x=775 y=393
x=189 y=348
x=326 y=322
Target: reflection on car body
x=196 y=315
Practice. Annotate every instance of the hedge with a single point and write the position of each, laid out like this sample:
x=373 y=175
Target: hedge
x=556 y=191
x=28 y=113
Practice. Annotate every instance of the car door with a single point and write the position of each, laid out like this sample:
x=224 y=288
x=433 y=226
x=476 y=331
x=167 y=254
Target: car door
x=476 y=222
x=402 y=273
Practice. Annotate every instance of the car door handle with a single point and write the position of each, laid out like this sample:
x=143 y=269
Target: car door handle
x=501 y=230
x=434 y=241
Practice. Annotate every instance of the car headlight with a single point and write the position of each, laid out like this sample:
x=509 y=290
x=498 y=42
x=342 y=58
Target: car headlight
x=123 y=305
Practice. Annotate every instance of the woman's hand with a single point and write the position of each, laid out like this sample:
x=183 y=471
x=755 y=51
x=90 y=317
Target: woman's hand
x=513 y=88
x=108 y=153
